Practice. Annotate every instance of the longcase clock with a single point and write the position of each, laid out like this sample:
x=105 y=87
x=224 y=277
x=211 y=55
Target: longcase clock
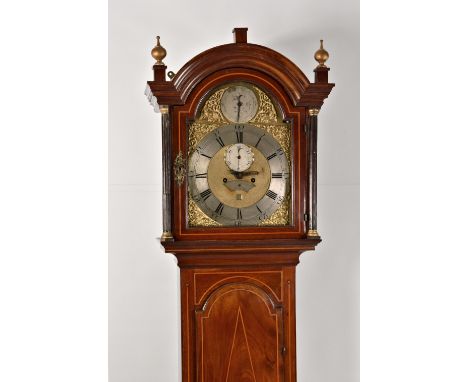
x=239 y=131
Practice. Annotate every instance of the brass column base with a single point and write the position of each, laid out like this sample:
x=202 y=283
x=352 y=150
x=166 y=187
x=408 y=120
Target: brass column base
x=167 y=236
x=312 y=233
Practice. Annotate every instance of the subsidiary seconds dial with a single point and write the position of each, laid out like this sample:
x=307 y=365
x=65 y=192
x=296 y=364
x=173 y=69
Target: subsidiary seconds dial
x=239 y=104
x=239 y=157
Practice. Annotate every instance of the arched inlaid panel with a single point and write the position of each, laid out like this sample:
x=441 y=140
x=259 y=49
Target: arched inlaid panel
x=240 y=336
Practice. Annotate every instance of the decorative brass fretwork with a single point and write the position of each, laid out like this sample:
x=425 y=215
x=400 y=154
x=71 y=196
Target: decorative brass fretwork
x=280 y=216
x=211 y=111
x=282 y=133
x=197 y=130
x=179 y=169
x=266 y=111
x=197 y=218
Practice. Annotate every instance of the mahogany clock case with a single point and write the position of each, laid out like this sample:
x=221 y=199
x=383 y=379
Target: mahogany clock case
x=238 y=283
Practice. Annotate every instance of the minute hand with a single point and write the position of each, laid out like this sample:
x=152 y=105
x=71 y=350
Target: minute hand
x=239 y=104
x=239 y=174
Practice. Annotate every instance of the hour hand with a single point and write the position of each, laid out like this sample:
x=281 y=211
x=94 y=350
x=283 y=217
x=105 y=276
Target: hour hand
x=245 y=173
x=239 y=175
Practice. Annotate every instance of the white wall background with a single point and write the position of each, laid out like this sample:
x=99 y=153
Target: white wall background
x=143 y=281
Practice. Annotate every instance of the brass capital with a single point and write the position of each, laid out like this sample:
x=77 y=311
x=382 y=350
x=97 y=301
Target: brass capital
x=314 y=111
x=164 y=109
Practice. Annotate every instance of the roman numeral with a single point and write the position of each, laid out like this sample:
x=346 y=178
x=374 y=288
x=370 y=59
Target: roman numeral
x=219 y=209
x=271 y=156
x=220 y=140
x=277 y=175
x=205 y=194
x=271 y=194
x=258 y=142
x=259 y=210
x=206 y=156
x=239 y=214
x=201 y=175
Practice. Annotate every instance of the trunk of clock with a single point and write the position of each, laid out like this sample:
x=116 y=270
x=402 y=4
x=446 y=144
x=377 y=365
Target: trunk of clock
x=238 y=322
x=238 y=310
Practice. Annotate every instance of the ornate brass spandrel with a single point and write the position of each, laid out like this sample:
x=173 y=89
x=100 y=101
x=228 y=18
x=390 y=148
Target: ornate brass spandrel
x=280 y=216
x=197 y=218
x=180 y=168
x=196 y=131
x=267 y=112
x=282 y=133
x=211 y=111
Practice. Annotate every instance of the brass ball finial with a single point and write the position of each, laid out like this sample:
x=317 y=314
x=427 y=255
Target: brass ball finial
x=321 y=56
x=158 y=52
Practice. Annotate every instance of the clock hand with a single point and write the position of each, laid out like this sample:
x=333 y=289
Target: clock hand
x=239 y=174
x=239 y=104
x=245 y=173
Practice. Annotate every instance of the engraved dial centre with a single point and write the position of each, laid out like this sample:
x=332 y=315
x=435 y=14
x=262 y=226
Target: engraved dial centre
x=239 y=192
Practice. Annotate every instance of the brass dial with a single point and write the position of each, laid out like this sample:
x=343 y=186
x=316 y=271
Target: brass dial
x=245 y=191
